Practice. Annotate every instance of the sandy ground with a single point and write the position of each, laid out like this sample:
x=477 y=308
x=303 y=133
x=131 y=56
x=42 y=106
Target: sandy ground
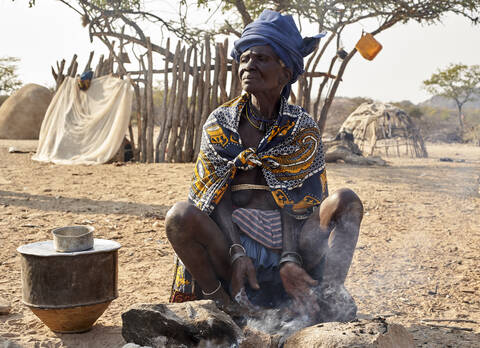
x=417 y=257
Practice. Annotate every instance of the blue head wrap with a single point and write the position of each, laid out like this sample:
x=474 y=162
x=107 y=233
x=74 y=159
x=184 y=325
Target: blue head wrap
x=280 y=33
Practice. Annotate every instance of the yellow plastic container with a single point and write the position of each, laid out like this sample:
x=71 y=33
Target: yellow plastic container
x=368 y=46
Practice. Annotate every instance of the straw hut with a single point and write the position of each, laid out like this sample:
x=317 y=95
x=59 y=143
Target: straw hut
x=379 y=128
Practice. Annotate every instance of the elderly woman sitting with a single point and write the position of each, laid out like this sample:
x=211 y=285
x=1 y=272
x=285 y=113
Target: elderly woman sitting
x=259 y=226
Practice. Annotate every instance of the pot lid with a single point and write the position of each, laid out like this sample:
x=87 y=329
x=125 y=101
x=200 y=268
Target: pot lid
x=46 y=248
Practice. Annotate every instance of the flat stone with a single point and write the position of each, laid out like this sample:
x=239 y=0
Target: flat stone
x=179 y=325
x=375 y=333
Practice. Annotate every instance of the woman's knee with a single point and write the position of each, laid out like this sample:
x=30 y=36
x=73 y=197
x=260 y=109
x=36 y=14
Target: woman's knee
x=347 y=200
x=178 y=221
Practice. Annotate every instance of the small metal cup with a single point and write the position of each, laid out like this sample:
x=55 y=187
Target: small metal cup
x=73 y=238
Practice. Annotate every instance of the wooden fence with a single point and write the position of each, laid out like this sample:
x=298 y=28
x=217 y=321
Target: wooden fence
x=195 y=81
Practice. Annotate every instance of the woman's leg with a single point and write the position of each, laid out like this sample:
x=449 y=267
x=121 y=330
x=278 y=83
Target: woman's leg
x=201 y=246
x=328 y=238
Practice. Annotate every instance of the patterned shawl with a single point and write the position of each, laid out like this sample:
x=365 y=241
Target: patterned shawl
x=290 y=156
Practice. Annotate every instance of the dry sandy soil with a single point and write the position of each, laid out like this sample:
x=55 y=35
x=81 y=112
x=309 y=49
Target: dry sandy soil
x=417 y=258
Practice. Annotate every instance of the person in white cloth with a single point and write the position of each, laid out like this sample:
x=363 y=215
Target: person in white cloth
x=259 y=226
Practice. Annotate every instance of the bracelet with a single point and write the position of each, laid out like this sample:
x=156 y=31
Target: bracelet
x=291 y=256
x=236 y=245
x=214 y=291
x=236 y=256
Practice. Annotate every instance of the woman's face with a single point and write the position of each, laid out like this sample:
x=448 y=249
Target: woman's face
x=261 y=71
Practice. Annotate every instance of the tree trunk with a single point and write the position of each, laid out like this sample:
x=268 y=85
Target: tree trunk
x=329 y=98
x=460 y=118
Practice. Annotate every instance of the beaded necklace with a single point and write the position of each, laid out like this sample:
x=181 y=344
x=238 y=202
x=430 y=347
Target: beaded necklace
x=262 y=123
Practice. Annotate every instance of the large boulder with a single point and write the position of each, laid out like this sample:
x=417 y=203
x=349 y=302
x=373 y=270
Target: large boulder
x=21 y=115
x=188 y=324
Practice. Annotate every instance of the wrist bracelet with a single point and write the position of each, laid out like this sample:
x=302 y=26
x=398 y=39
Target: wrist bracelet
x=290 y=258
x=236 y=245
x=297 y=255
x=236 y=256
x=214 y=291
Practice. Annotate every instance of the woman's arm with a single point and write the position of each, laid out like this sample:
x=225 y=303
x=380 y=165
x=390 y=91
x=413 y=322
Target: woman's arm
x=242 y=266
x=295 y=279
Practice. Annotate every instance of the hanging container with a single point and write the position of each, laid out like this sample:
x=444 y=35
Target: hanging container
x=368 y=46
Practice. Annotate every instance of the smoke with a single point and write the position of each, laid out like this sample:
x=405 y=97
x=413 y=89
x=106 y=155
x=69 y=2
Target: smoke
x=279 y=322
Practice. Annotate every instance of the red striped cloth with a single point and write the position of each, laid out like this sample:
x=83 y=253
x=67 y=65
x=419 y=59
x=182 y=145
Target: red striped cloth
x=264 y=226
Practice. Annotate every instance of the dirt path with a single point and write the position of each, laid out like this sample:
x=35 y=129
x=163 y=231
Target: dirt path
x=417 y=256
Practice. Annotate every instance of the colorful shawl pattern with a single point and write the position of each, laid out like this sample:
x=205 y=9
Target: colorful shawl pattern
x=290 y=155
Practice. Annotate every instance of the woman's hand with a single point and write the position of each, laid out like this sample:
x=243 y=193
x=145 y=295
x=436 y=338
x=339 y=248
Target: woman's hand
x=243 y=270
x=298 y=284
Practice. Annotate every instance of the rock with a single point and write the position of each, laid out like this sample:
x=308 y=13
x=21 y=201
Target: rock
x=9 y=344
x=375 y=333
x=5 y=308
x=342 y=151
x=194 y=323
x=21 y=115
x=255 y=339
x=133 y=345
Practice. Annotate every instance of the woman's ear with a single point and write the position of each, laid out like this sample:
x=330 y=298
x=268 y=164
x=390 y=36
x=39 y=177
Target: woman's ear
x=286 y=76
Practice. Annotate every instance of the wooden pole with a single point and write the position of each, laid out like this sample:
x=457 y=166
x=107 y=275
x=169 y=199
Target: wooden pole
x=238 y=84
x=189 y=138
x=90 y=58
x=149 y=102
x=144 y=115
x=138 y=99
x=206 y=92
x=98 y=69
x=300 y=90
x=233 y=81
x=177 y=109
x=215 y=83
x=199 y=112
x=59 y=76
x=179 y=145
x=163 y=114
x=223 y=71
x=172 y=95
x=71 y=69
x=132 y=139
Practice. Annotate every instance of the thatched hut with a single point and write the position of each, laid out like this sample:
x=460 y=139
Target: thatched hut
x=379 y=128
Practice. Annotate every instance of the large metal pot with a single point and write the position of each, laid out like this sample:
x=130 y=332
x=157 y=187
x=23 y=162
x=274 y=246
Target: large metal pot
x=69 y=291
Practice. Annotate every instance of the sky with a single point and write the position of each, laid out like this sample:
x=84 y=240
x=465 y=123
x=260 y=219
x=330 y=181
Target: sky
x=50 y=31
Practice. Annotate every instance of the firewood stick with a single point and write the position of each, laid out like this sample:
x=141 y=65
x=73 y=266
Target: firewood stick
x=450 y=327
x=452 y=320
